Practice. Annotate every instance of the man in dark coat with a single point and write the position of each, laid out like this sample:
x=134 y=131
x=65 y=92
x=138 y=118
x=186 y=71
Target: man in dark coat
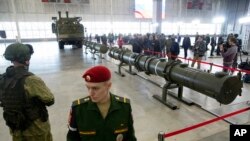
x=136 y=44
x=186 y=44
x=207 y=40
x=175 y=49
x=156 y=46
x=213 y=44
x=220 y=42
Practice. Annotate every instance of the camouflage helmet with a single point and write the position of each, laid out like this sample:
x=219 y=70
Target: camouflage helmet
x=17 y=52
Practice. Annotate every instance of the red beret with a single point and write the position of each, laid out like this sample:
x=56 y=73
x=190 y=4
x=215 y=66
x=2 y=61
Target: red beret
x=97 y=74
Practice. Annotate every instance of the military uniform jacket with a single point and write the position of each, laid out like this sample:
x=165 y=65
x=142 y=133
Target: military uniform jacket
x=87 y=124
x=35 y=87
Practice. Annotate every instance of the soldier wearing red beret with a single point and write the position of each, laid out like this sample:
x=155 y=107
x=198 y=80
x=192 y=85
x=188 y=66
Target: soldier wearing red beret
x=102 y=116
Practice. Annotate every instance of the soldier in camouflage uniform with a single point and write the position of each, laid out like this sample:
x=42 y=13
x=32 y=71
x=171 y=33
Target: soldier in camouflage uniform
x=102 y=116
x=24 y=97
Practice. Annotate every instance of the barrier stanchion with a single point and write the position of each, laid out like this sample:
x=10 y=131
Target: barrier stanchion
x=161 y=136
x=211 y=67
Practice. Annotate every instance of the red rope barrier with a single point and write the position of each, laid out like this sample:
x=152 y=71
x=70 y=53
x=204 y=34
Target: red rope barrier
x=205 y=123
x=202 y=62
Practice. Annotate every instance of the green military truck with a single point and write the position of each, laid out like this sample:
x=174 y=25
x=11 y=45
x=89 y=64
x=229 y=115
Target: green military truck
x=69 y=31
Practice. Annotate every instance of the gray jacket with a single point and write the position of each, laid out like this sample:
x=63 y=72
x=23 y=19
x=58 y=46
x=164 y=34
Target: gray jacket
x=199 y=48
x=229 y=55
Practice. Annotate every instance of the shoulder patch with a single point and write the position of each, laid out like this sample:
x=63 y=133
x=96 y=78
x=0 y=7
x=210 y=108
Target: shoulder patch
x=80 y=101
x=122 y=99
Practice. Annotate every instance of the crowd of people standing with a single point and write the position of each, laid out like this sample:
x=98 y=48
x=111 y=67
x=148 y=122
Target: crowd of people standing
x=160 y=45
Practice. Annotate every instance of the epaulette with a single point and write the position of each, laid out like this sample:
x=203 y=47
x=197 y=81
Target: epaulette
x=122 y=99
x=80 y=101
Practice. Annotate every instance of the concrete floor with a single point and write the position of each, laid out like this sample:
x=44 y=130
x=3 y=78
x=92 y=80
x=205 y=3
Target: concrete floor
x=62 y=69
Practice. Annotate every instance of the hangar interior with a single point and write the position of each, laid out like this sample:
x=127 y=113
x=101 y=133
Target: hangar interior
x=34 y=17
x=29 y=21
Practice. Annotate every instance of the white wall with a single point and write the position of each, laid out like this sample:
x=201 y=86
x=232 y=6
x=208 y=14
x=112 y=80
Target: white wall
x=96 y=10
x=100 y=10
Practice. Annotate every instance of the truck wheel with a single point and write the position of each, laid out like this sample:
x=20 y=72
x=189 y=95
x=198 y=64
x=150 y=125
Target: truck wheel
x=61 y=45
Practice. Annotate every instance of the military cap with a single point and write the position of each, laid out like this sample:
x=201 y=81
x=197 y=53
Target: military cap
x=97 y=74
